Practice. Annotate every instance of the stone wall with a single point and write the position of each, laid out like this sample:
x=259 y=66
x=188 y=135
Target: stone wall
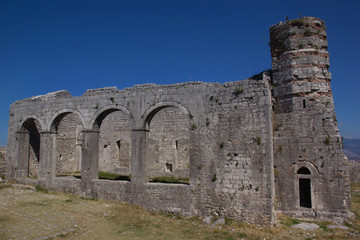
x=305 y=127
x=354 y=169
x=2 y=161
x=246 y=147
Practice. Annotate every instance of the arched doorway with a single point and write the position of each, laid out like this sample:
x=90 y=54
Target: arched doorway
x=304 y=187
x=31 y=151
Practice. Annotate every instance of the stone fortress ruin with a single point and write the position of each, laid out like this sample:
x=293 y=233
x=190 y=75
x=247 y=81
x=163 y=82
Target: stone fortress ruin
x=244 y=149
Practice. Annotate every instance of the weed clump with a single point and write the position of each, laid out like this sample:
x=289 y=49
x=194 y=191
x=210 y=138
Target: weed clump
x=39 y=188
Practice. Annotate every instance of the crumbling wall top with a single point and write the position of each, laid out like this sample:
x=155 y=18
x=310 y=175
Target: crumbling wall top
x=49 y=96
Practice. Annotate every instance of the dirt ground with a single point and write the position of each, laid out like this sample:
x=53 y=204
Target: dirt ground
x=27 y=212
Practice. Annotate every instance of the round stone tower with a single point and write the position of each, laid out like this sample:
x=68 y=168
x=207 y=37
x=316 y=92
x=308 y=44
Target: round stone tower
x=311 y=177
x=300 y=62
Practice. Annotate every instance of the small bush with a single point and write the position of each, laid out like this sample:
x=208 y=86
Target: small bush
x=222 y=145
x=301 y=46
x=39 y=188
x=193 y=126
x=207 y=121
x=191 y=116
x=238 y=91
x=258 y=140
x=214 y=178
x=308 y=33
x=112 y=99
x=297 y=22
x=327 y=141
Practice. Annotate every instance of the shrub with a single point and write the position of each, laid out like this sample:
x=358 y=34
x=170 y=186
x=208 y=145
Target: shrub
x=308 y=33
x=39 y=188
x=214 y=178
x=327 y=141
x=207 y=121
x=297 y=22
x=222 y=145
x=238 y=91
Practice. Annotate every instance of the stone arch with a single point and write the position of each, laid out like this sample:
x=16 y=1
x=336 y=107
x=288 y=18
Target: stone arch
x=31 y=116
x=62 y=112
x=29 y=141
x=168 y=151
x=306 y=175
x=67 y=124
x=151 y=111
x=114 y=124
x=99 y=115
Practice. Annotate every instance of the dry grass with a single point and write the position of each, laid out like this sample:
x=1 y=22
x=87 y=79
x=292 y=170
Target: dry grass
x=112 y=220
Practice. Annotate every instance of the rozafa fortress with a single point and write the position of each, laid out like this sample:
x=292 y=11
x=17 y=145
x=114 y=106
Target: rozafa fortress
x=245 y=150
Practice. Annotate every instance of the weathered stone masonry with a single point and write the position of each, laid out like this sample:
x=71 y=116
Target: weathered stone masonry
x=247 y=147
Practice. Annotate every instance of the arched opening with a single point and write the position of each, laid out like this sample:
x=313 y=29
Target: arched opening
x=168 y=146
x=303 y=170
x=32 y=152
x=304 y=188
x=68 y=128
x=114 y=145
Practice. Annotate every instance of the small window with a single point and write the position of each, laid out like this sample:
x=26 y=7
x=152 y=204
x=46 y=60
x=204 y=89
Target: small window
x=304 y=103
x=303 y=170
x=169 y=167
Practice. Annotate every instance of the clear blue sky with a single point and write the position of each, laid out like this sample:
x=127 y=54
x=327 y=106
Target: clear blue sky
x=76 y=45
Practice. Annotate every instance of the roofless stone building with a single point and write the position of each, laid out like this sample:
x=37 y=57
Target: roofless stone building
x=243 y=149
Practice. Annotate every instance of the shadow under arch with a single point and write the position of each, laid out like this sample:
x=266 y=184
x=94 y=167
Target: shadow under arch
x=30 y=143
x=152 y=110
x=101 y=114
x=308 y=165
x=59 y=114
x=26 y=120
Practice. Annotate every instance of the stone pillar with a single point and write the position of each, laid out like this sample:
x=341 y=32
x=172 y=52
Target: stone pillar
x=138 y=164
x=90 y=155
x=21 y=166
x=47 y=160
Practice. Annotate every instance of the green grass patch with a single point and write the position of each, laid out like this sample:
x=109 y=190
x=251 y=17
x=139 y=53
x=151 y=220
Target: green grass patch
x=3 y=186
x=113 y=176
x=39 y=188
x=290 y=222
x=170 y=179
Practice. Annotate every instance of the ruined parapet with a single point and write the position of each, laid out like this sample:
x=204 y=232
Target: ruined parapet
x=310 y=168
x=49 y=96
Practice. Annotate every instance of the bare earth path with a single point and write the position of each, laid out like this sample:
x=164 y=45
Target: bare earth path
x=29 y=214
